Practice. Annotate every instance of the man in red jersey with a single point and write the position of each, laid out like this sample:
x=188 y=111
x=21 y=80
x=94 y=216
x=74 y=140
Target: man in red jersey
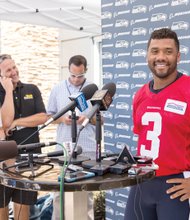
x=161 y=115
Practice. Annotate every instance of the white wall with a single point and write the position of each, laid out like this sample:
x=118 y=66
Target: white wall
x=73 y=43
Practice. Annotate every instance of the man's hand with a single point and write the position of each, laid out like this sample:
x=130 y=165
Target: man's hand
x=8 y=131
x=65 y=119
x=6 y=83
x=181 y=189
x=81 y=119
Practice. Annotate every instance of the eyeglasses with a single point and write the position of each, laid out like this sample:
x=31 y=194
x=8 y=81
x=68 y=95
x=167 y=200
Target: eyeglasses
x=4 y=57
x=80 y=76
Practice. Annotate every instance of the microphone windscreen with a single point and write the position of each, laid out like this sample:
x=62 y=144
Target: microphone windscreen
x=89 y=90
x=79 y=150
x=8 y=149
x=111 y=87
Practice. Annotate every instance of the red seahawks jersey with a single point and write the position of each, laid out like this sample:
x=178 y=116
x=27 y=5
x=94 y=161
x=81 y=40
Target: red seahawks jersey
x=162 y=122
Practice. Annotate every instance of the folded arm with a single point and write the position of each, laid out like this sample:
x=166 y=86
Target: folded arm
x=30 y=121
x=7 y=109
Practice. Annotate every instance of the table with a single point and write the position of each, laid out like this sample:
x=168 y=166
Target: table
x=48 y=181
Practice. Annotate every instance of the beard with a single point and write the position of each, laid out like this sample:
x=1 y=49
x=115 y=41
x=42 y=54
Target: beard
x=163 y=73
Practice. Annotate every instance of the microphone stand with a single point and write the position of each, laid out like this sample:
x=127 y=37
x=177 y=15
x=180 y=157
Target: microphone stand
x=75 y=159
x=98 y=136
x=98 y=166
x=74 y=132
x=28 y=165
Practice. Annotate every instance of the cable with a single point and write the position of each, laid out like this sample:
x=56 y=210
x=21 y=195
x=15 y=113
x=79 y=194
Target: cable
x=63 y=173
x=135 y=198
x=22 y=142
x=140 y=197
x=62 y=176
x=73 y=150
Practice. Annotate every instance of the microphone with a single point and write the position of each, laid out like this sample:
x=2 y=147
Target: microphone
x=101 y=100
x=9 y=149
x=50 y=154
x=77 y=100
x=30 y=147
x=104 y=97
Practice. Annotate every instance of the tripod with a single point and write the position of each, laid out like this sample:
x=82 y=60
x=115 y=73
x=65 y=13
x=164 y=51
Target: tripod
x=29 y=164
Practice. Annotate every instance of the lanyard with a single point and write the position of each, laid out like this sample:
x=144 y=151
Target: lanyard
x=67 y=86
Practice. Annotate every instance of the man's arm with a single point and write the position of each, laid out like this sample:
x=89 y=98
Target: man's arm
x=7 y=109
x=30 y=121
x=2 y=134
x=180 y=188
x=65 y=119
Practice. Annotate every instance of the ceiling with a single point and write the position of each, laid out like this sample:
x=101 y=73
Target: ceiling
x=76 y=15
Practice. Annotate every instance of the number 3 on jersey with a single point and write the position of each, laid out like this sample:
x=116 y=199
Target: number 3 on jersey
x=153 y=135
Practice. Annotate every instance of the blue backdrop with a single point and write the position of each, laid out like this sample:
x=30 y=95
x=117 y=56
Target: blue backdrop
x=126 y=27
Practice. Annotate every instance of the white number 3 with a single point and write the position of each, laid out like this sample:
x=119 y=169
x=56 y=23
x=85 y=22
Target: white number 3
x=156 y=118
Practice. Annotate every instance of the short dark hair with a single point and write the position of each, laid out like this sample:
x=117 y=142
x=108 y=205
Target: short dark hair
x=164 y=33
x=4 y=57
x=78 y=60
